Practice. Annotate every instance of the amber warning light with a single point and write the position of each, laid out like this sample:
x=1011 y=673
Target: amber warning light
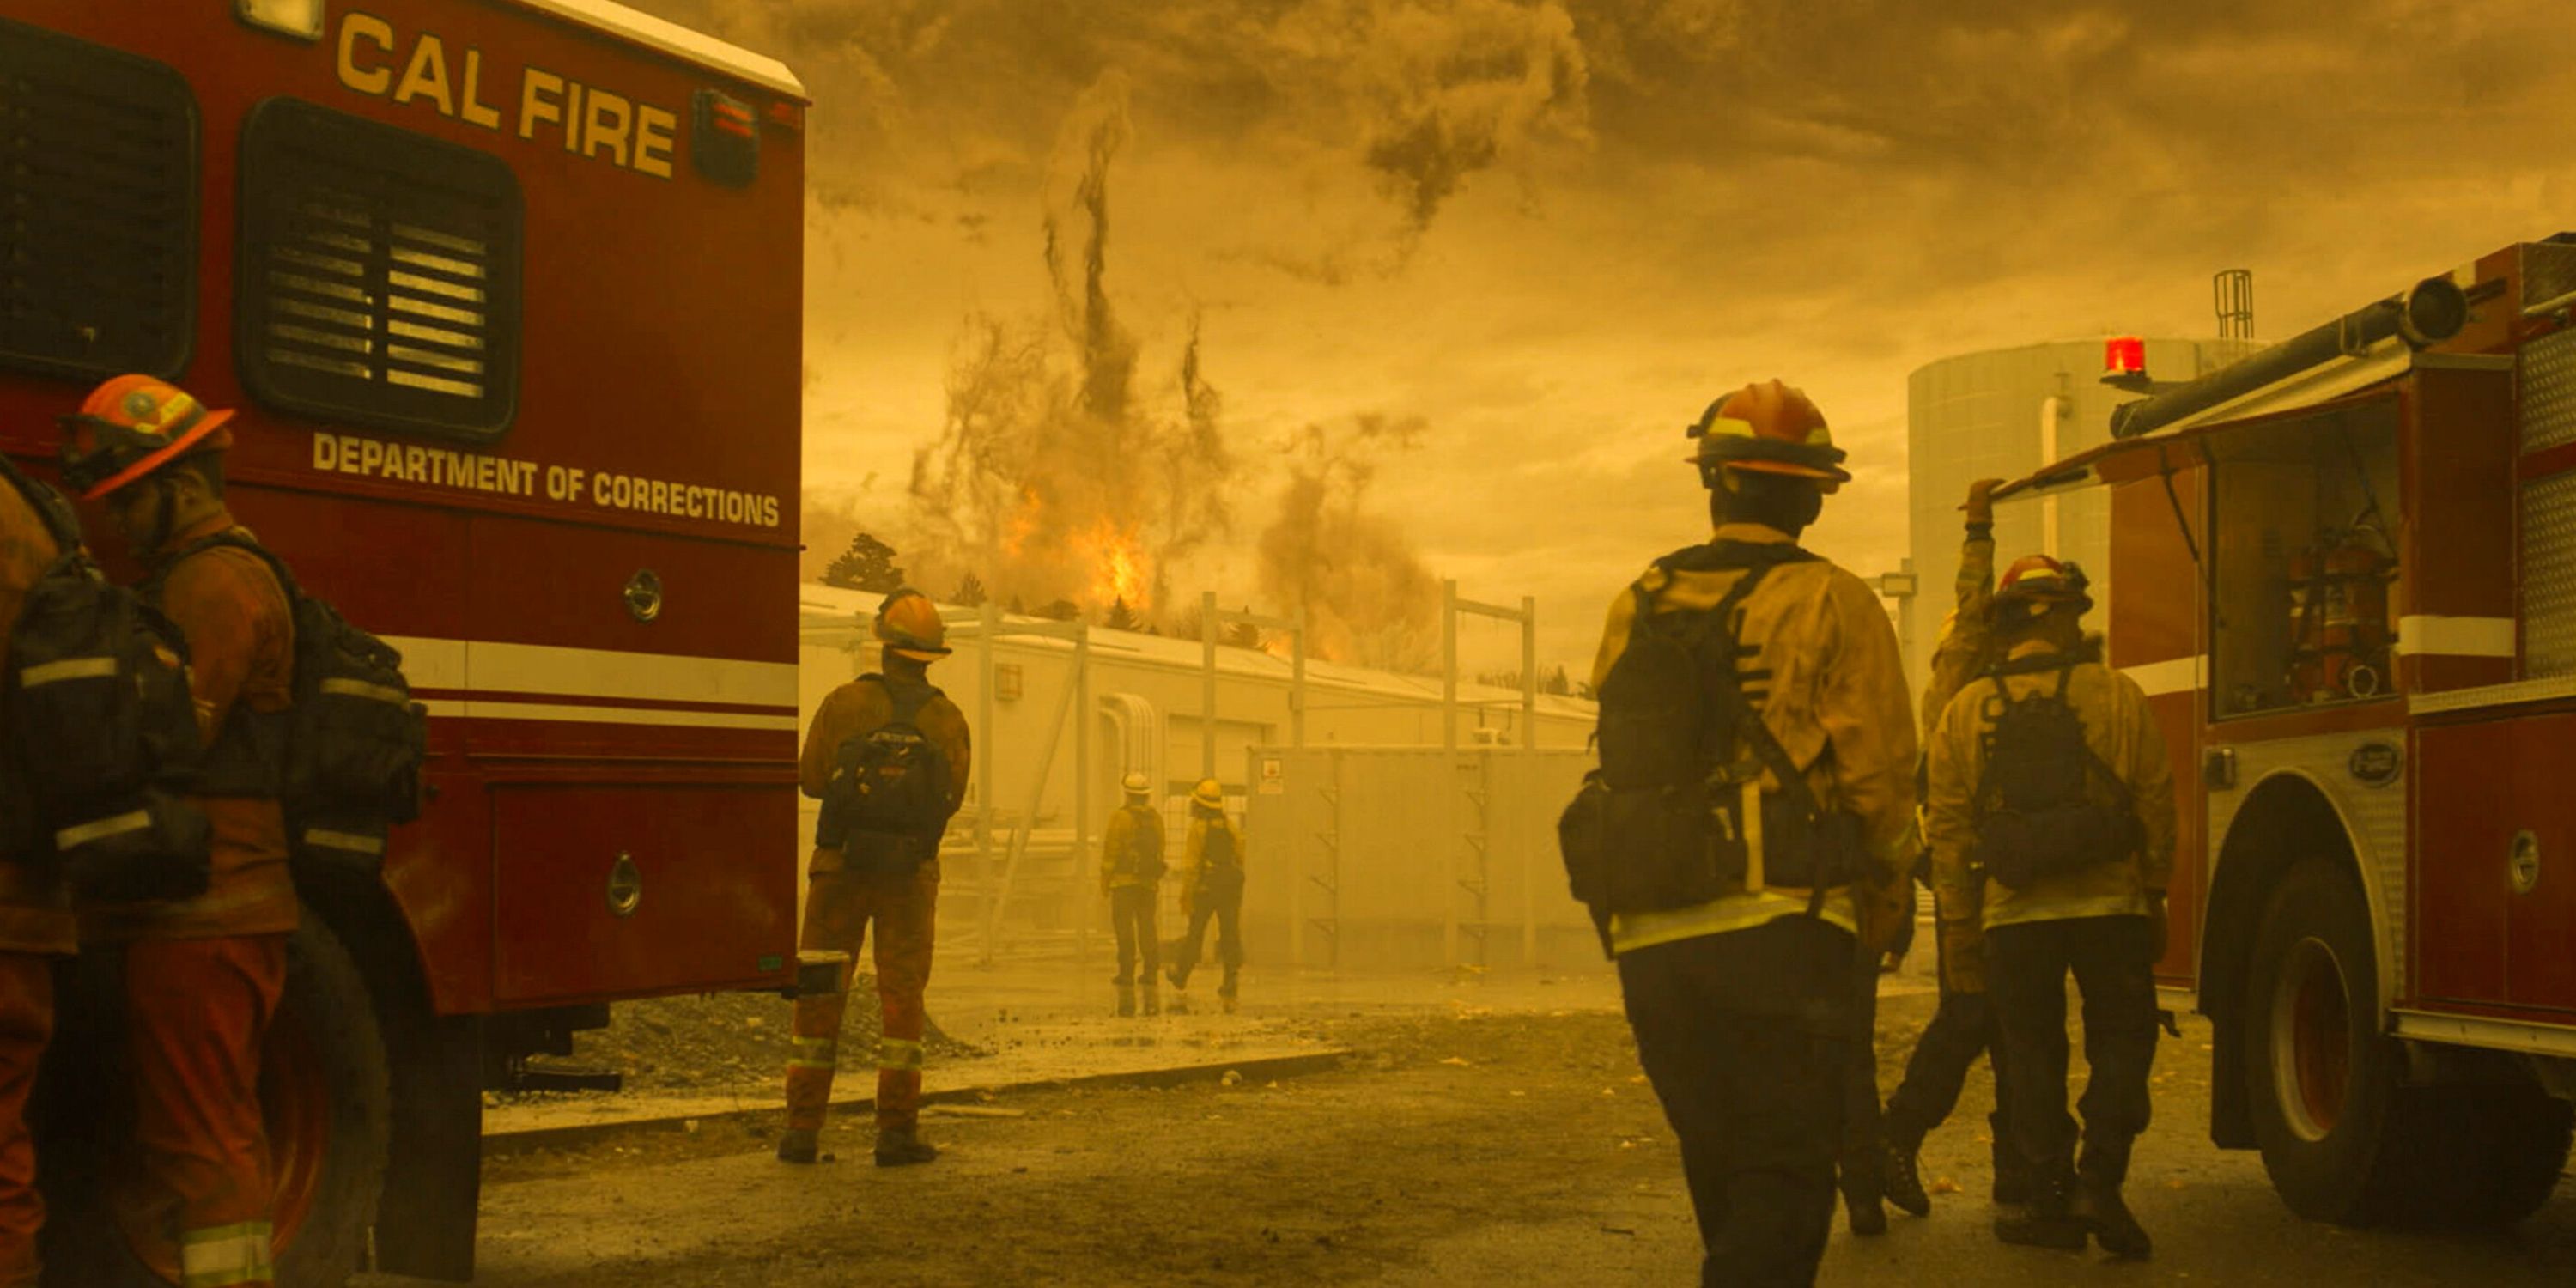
x=2124 y=355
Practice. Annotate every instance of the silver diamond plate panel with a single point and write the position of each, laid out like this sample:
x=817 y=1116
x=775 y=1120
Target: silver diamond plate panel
x=2549 y=576
x=2548 y=271
x=2548 y=390
x=2375 y=815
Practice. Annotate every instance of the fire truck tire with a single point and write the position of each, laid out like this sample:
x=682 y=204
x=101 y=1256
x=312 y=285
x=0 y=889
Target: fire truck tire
x=2338 y=1134
x=326 y=1091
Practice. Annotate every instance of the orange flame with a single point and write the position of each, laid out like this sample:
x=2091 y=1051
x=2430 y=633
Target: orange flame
x=1024 y=523
x=1118 y=563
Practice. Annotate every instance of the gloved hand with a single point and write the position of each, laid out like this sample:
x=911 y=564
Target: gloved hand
x=1981 y=503
x=1963 y=956
x=2158 y=926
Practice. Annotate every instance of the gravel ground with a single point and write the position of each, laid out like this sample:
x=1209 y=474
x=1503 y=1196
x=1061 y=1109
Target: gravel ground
x=721 y=1042
x=1458 y=1147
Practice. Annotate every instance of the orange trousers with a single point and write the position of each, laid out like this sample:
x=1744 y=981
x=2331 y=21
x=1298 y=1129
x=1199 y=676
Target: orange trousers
x=839 y=905
x=26 y=1025
x=196 y=1013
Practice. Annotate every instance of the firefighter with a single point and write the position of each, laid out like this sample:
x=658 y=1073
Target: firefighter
x=2050 y=776
x=888 y=755
x=1743 y=1003
x=202 y=975
x=1212 y=876
x=37 y=930
x=1131 y=877
x=1964 y=1026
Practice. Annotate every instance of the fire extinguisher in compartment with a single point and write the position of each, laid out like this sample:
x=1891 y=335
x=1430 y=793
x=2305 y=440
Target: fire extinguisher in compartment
x=2339 y=616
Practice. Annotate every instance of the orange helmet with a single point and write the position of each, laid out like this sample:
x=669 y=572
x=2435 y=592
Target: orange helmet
x=2036 y=584
x=909 y=625
x=1770 y=428
x=131 y=426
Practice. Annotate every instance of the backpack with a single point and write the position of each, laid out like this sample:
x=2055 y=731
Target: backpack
x=1672 y=816
x=1220 y=862
x=1145 y=846
x=344 y=759
x=2036 y=814
x=102 y=731
x=886 y=803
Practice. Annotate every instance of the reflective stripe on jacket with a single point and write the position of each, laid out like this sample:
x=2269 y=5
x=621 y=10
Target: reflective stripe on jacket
x=1834 y=681
x=2121 y=729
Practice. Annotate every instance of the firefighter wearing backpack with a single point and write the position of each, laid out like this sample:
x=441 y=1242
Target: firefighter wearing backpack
x=1964 y=1026
x=1131 y=876
x=202 y=974
x=1746 y=838
x=2052 y=830
x=888 y=756
x=1212 y=876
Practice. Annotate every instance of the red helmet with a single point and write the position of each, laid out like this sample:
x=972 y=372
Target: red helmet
x=1770 y=428
x=131 y=426
x=2036 y=584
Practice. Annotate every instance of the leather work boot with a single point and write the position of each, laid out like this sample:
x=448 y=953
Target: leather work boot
x=1126 y=1001
x=797 y=1145
x=1153 y=1001
x=2049 y=1222
x=1180 y=982
x=2012 y=1176
x=1900 y=1178
x=1861 y=1208
x=903 y=1147
x=2100 y=1208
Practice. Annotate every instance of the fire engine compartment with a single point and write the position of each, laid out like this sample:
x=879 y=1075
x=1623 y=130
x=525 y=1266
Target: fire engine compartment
x=2304 y=539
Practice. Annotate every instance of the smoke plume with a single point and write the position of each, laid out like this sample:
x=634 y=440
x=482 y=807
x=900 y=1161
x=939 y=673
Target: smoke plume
x=1366 y=595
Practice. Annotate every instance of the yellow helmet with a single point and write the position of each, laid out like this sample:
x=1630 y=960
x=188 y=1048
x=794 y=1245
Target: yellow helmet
x=1137 y=785
x=1208 y=793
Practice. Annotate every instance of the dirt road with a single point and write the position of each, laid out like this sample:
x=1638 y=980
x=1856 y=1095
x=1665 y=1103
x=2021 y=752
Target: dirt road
x=1460 y=1147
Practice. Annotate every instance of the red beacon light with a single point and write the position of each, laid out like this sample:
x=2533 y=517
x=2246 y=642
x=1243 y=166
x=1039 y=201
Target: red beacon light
x=2124 y=355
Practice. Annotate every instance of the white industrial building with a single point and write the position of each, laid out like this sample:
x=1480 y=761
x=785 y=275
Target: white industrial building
x=1061 y=712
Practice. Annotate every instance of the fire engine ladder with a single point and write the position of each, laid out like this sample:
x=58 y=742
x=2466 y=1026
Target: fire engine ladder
x=1472 y=859
x=998 y=873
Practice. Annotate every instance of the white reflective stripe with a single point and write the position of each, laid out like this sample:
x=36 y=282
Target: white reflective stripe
x=347 y=688
x=2181 y=675
x=102 y=828
x=816 y=1053
x=71 y=668
x=226 y=1255
x=483 y=710
x=896 y=1053
x=490 y=667
x=351 y=841
x=2428 y=636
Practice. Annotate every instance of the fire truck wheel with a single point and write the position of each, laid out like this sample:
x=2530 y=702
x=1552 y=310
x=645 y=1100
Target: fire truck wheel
x=2321 y=1078
x=324 y=1091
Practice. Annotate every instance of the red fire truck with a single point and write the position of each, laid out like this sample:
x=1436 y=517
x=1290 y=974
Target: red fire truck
x=508 y=295
x=2344 y=569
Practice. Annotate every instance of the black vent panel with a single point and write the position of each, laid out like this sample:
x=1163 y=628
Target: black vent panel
x=379 y=275
x=98 y=209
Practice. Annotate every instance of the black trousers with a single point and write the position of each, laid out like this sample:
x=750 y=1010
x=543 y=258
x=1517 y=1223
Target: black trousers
x=1961 y=1030
x=1746 y=1038
x=2026 y=969
x=1863 y=1128
x=1131 y=914
x=1227 y=912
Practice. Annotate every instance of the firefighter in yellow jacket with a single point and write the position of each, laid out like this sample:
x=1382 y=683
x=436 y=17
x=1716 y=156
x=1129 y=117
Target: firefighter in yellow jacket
x=2051 y=820
x=1747 y=836
x=1212 y=882
x=1964 y=1026
x=888 y=756
x=1131 y=876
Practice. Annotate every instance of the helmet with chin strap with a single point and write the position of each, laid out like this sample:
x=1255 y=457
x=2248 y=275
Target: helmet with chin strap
x=130 y=427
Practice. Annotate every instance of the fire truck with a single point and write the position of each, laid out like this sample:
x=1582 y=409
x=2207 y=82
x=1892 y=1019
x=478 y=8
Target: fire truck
x=2344 y=571
x=508 y=295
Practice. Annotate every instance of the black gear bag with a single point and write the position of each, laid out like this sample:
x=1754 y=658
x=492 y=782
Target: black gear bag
x=886 y=804
x=1674 y=816
x=2037 y=811
x=102 y=731
x=1145 y=845
x=345 y=758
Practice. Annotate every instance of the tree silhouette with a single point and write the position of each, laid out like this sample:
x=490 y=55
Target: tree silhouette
x=867 y=565
x=970 y=592
x=1243 y=635
x=1062 y=610
x=1121 y=617
x=1559 y=684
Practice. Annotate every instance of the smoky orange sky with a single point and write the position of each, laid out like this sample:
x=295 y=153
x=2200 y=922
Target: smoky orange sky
x=1539 y=235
